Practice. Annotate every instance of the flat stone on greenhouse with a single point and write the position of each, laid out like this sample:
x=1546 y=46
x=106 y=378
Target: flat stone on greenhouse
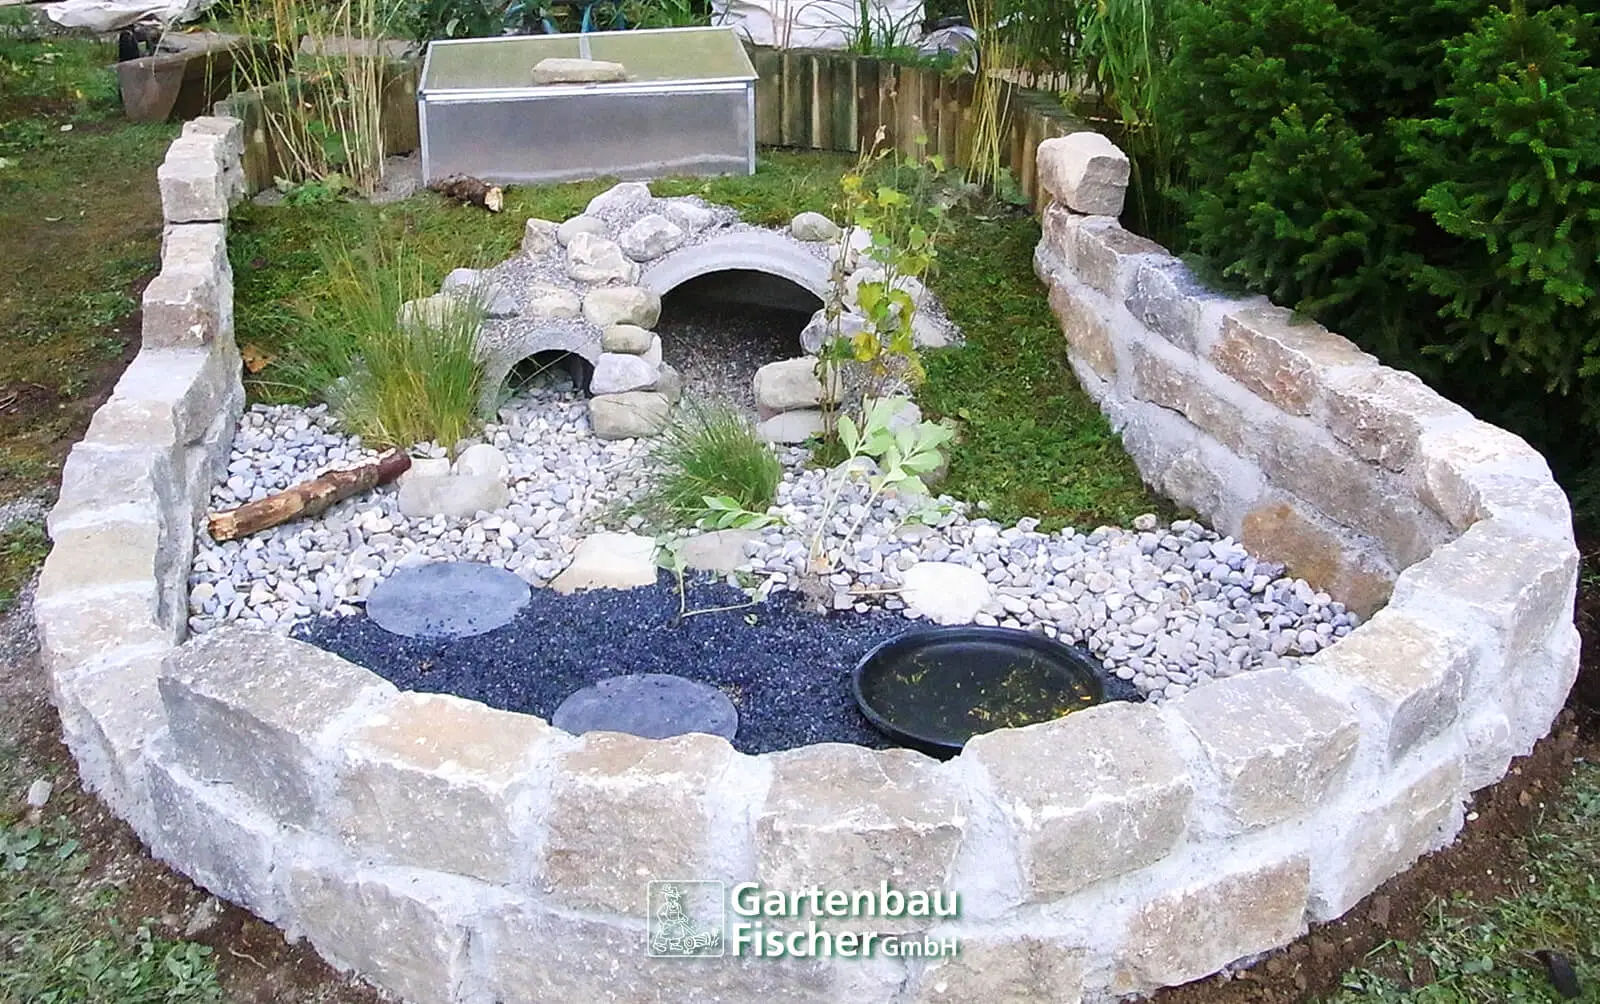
x=649 y=705
x=447 y=599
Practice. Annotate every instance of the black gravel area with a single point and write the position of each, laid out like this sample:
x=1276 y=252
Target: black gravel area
x=786 y=668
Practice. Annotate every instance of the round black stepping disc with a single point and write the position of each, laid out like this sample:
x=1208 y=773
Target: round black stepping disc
x=651 y=705
x=447 y=599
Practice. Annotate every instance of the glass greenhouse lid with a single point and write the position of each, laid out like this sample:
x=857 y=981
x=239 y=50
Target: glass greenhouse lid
x=651 y=56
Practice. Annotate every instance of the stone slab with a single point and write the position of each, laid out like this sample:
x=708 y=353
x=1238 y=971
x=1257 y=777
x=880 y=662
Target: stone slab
x=648 y=705
x=447 y=599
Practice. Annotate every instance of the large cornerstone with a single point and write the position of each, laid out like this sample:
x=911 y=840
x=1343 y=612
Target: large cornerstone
x=449 y=852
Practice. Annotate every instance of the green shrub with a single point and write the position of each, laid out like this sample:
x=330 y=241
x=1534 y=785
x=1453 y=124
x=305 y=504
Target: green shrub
x=392 y=383
x=709 y=450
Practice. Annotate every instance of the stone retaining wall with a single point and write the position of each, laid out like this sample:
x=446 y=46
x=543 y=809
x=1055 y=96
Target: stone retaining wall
x=453 y=853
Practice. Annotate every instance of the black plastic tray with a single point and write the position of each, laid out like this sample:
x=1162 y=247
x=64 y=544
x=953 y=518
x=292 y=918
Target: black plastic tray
x=934 y=689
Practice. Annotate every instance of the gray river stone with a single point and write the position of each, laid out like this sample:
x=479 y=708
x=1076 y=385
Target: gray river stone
x=651 y=705
x=447 y=599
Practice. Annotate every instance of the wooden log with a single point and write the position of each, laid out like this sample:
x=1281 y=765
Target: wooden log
x=307 y=498
x=473 y=191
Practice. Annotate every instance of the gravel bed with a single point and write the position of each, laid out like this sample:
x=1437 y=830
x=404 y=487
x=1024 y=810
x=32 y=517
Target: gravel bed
x=1164 y=607
x=770 y=658
x=718 y=347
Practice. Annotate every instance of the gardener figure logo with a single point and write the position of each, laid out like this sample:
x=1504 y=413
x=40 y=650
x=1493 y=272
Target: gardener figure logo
x=675 y=931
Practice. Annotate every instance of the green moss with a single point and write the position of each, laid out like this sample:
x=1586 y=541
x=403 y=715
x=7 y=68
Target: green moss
x=22 y=547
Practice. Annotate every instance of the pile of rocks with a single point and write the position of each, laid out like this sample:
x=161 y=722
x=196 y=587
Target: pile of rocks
x=789 y=399
x=632 y=390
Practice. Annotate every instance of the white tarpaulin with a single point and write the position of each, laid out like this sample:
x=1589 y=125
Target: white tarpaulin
x=109 y=15
x=819 y=24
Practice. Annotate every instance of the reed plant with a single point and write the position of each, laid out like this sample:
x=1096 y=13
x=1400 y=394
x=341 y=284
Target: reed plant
x=708 y=461
x=321 y=76
x=395 y=375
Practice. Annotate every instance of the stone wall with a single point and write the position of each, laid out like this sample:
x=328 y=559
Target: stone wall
x=454 y=853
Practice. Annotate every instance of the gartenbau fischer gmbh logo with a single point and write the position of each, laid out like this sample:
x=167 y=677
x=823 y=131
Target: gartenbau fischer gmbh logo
x=691 y=918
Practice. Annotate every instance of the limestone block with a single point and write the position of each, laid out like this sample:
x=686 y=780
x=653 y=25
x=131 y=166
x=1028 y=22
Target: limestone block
x=595 y=259
x=1490 y=747
x=622 y=305
x=717 y=550
x=109 y=715
x=168 y=397
x=1380 y=413
x=1329 y=557
x=1478 y=471
x=1276 y=745
x=844 y=817
x=814 y=227
x=1381 y=832
x=257 y=710
x=618 y=373
x=628 y=196
x=1209 y=479
x=1407 y=673
x=543 y=300
x=192 y=182
x=1167 y=298
x=567 y=231
x=1126 y=806
x=77 y=628
x=624 y=811
x=432 y=781
x=1181 y=383
x=629 y=338
x=1538 y=687
x=137 y=554
x=231 y=132
x=1518 y=585
x=190 y=302
x=1306 y=462
x=454 y=496
x=1282 y=359
x=407 y=932
x=216 y=837
x=995 y=969
x=651 y=237
x=582 y=958
x=1105 y=257
x=1196 y=929
x=539 y=237
x=609 y=561
x=1085 y=172
x=793 y=383
x=792 y=426
x=1088 y=335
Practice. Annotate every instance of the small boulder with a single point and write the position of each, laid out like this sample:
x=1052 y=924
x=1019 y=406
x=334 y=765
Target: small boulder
x=629 y=338
x=595 y=259
x=854 y=247
x=609 y=561
x=818 y=330
x=632 y=415
x=691 y=216
x=455 y=496
x=652 y=355
x=622 y=305
x=580 y=225
x=558 y=70
x=814 y=227
x=944 y=592
x=488 y=294
x=424 y=468
x=551 y=301
x=626 y=197
x=483 y=460
x=931 y=332
x=618 y=373
x=792 y=384
x=792 y=427
x=719 y=551
x=539 y=237
x=651 y=237
x=431 y=311
x=1085 y=172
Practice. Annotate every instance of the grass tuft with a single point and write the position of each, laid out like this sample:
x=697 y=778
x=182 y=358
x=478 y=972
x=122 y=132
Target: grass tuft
x=709 y=449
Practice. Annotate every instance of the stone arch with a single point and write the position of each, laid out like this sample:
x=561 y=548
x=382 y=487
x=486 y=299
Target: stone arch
x=746 y=250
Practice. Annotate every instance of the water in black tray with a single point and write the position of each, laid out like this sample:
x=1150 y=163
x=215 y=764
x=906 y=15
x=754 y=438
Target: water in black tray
x=933 y=690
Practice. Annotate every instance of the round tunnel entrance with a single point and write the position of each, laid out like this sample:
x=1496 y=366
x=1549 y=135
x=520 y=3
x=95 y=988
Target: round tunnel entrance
x=718 y=328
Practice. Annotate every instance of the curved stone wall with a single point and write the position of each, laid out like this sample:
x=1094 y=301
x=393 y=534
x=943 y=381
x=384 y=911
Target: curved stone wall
x=450 y=852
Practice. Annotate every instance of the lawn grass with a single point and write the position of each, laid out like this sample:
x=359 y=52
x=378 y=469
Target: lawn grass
x=81 y=225
x=1473 y=952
